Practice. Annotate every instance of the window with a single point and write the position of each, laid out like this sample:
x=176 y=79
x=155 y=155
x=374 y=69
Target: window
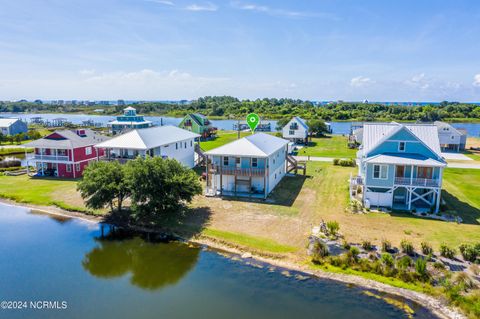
x=254 y=162
x=176 y=146
x=88 y=150
x=237 y=161
x=191 y=143
x=291 y=132
x=453 y=137
x=401 y=146
x=380 y=171
x=225 y=161
x=77 y=167
x=68 y=168
x=185 y=144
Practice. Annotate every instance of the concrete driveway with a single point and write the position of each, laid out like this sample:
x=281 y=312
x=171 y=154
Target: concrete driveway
x=456 y=156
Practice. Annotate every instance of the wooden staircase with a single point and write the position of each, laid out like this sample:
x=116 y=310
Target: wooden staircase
x=201 y=159
x=294 y=165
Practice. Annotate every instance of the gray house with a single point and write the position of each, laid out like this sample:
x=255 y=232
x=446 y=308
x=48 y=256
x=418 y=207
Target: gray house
x=451 y=138
x=12 y=126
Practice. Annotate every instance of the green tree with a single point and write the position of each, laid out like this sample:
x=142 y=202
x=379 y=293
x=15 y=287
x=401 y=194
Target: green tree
x=160 y=186
x=102 y=184
x=317 y=127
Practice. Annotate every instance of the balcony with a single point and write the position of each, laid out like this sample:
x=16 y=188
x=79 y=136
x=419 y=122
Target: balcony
x=425 y=182
x=225 y=170
x=51 y=158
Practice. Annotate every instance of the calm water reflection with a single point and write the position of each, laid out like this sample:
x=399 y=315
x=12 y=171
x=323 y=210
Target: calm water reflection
x=43 y=258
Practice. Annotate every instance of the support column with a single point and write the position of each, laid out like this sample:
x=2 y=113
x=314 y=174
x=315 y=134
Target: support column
x=409 y=198
x=437 y=205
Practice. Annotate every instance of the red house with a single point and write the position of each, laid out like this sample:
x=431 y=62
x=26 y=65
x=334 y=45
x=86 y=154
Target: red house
x=65 y=153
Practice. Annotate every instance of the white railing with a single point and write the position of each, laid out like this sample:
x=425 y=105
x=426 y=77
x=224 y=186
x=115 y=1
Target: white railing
x=225 y=170
x=427 y=182
x=59 y=158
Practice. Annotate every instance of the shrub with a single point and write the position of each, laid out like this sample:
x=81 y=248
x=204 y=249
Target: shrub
x=333 y=227
x=404 y=262
x=367 y=245
x=469 y=253
x=387 y=260
x=353 y=252
x=447 y=252
x=438 y=265
x=463 y=280
x=320 y=250
x=336 y=161
x=426 y=248
x=345 y=245
x=347 y=162
x=386 y=245
x=475 y=269
x=421 y=268
x=407 y=247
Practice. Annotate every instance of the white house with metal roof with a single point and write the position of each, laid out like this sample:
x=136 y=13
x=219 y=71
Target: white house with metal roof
x=250 y=166
x=296 y=130
x=451 y=138
x=401 y=167
x=164 y=141
x=128 y=121
x=12 y=126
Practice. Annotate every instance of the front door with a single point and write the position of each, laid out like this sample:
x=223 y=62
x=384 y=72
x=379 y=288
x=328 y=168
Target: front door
x=238 y=162
x=400 y=171
x=424 y=172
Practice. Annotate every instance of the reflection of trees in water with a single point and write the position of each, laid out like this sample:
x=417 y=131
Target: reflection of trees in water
x=59 y=219
x=152 y=265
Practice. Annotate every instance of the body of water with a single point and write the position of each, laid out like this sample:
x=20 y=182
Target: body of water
x=473 y=129
x=67 y=261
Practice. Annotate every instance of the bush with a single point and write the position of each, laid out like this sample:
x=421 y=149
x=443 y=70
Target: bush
x=464 y=281
x=421 y=268
x=426 y=248
x=469 y=253
x=404 y=262
x=367 y=245
x=333 y=227
x=320 y=251
x=387 y=260
x=353 y=253
x=386 y=245
x=345 y=245
x=347 y=162
x=407 y=247
x=336 y=161
x=447 y=252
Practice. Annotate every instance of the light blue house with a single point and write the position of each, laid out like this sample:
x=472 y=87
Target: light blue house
x=128 y=121
x=401 y=166
x=250 y=166
x=12 y=126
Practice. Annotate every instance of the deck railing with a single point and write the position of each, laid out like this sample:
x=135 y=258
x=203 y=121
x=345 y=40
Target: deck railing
x=427 y=182
x=254 y=171
x=59 y=158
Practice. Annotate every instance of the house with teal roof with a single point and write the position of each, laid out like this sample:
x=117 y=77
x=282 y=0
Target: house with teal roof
x=128 y=121
x=199 y=124
x=400 y=167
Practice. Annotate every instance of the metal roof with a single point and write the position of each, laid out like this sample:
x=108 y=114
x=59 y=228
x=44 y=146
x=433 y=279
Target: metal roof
x=301 y=121
x=70 y=139
x=404 y=159
x=376 y=133
x=116 y=122
x=6 y=122
x=440 y=125
x=257 y=145
x=148 y=138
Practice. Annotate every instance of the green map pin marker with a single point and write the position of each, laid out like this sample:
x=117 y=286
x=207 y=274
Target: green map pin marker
x=253 y=120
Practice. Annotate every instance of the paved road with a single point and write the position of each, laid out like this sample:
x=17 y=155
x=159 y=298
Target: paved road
x=330 y=159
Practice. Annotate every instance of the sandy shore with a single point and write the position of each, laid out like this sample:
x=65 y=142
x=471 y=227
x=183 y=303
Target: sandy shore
x=438 y=307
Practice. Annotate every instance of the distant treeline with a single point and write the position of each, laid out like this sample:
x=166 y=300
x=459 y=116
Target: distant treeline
x=230 y=107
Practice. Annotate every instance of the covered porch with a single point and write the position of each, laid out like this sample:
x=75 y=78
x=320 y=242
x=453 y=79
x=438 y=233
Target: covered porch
x=420 y=199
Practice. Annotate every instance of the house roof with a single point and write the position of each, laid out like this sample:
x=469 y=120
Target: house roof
x=301 y=121
x=257 y=145
x=70 y=139
x=129 y=109
x=6 y=122
x=376 y=133
x=116 y=122
x=441 y=125
x=404 y=159
x=148 y=138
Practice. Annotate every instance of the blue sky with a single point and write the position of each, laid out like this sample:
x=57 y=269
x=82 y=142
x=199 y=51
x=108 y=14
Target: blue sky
x=319 y=50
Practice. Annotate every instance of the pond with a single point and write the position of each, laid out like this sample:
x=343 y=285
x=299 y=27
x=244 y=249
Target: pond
x=124 y=276
x=473 y=129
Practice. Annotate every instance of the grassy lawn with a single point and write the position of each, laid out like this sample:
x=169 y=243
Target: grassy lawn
x=57 y=192
x=330 y=146
x=223 y=137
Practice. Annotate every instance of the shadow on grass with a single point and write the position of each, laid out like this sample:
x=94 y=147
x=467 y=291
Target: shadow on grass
x=467 y=212
x=284 y=194
x=185 y=223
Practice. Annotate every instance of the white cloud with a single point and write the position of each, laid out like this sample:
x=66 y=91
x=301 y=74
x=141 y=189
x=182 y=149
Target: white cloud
x=164 y=2
x=277 y=12
x=207 y=6
x=361 y=81
x=476 y=80
x=420 y=81
x=87 y=72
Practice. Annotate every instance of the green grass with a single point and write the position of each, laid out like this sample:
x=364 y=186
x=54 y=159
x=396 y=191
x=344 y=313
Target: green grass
x=257 y=243
x=223 y=137
x=11 y=151
x=330 y=146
